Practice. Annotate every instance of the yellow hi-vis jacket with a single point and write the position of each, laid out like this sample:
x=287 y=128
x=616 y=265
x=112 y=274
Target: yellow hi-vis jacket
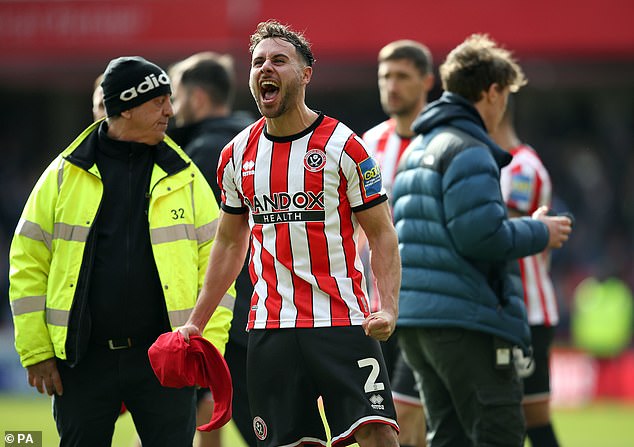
x=48 y=246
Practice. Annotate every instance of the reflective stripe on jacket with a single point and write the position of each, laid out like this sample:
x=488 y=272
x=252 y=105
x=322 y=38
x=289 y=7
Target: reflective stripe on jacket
x=48 y=247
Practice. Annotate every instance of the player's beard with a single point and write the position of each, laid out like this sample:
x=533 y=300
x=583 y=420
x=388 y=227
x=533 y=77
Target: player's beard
x=401 y=108
x=287 y=98
x=271 y=111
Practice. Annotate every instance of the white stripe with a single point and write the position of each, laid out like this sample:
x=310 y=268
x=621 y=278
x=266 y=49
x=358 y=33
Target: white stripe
x=404 y=398
x=178 y=317
x=228 y=302
x=57 y=317
x=306 y=439
x=34 y=231
x=359 y=422
x=28 y=304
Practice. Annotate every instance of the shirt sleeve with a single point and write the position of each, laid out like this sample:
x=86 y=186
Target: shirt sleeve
x=364 y=186
x=232 y=200
x=521 y=186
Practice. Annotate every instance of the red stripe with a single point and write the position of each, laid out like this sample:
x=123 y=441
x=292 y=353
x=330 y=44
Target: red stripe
x=317 y=241
x=404 y=143
x=349 y=248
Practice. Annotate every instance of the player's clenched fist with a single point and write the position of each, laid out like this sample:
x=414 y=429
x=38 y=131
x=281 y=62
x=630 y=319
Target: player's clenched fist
x=379 y=325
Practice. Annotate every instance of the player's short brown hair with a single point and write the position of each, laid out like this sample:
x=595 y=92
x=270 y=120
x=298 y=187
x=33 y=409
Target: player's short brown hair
x=410 y=50
x=477 y=63
x=273 y=28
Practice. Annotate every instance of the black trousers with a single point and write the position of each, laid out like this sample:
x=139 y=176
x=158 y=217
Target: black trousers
x=93 y=392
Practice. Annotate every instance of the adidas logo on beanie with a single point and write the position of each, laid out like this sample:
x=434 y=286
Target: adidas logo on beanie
x=130 y=81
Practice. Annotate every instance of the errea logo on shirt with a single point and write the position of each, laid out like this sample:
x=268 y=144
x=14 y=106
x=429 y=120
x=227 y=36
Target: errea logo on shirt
x=248 y=168
x=150 y=83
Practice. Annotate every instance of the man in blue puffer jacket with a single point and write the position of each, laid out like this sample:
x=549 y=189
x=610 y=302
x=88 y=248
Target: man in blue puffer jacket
x=460 y=314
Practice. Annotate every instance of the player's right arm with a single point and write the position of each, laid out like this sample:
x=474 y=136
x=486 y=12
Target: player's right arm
x=386 y=266
x=225 y=262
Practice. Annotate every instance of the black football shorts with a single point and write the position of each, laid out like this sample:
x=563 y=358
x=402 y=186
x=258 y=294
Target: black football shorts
x=537 y=385
x=289 y=369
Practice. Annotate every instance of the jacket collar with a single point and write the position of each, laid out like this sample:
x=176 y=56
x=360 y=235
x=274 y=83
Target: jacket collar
x=84 y=154
x=452 y=110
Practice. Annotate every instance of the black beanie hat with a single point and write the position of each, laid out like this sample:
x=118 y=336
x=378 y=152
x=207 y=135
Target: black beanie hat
x=130 y=81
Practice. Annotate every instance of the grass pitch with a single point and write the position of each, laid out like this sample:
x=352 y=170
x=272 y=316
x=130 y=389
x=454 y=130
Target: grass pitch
x=604 y=424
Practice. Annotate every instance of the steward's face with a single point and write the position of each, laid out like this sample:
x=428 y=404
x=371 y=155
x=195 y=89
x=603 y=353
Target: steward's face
x=148 y=122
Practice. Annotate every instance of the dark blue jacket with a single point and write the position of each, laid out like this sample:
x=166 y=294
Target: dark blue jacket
x=456 y=241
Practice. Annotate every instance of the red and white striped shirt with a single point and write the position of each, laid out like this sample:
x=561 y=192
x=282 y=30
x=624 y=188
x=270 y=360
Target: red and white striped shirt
x=387 y=147
x=300 y=192
x=526 y=186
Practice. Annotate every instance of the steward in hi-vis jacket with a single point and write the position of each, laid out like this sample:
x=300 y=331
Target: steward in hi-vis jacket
x=111 y=251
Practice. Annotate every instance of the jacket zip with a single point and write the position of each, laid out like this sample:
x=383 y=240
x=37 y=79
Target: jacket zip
x=84 y=279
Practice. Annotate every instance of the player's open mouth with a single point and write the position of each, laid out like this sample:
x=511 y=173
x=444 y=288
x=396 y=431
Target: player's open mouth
x=269 y=90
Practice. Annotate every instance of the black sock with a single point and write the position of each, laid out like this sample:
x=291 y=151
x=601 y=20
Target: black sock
x=542 y=436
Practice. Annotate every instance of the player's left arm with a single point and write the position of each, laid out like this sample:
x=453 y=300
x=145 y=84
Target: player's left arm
x=385 y=261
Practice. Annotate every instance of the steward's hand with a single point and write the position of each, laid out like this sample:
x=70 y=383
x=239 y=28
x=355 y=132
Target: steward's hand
x=379 y=325
x=187 y=330
x=44 y=375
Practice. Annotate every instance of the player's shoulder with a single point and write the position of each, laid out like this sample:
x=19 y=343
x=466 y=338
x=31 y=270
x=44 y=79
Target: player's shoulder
x=376 y=132
x=339 y=135
x=240 y=141
x=526 y=155
x=524 y=152
x=335 y=124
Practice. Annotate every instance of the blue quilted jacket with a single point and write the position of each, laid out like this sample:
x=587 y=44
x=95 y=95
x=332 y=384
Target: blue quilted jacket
x=458 y=246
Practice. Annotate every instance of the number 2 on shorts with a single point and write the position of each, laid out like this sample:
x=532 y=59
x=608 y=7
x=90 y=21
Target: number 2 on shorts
x=371 y=385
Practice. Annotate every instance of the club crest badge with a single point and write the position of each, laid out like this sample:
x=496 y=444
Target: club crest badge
x=259 y=427
x=315 y=160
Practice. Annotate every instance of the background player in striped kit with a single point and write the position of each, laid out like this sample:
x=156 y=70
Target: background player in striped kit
x=303 y=183
x=526 y=186
x=405 y=77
